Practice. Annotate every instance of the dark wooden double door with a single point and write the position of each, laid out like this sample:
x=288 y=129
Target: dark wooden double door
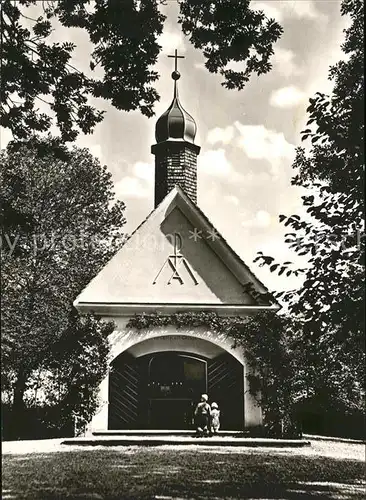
x=161 y=390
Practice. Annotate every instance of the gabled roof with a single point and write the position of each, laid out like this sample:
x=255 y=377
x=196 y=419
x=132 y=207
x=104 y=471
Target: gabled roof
x=211 y=275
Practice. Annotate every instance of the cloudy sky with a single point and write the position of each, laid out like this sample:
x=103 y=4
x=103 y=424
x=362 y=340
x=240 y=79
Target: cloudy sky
x=247 y=138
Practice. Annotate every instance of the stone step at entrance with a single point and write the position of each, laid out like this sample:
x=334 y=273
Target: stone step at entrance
x=174 y=440
x=161 y=432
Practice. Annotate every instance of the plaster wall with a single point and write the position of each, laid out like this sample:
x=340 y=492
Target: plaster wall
x=179 y=343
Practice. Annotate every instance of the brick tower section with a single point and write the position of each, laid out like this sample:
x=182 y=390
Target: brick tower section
x=175 y=164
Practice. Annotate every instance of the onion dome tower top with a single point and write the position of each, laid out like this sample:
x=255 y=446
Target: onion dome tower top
x=175 y=124
x=175 y=151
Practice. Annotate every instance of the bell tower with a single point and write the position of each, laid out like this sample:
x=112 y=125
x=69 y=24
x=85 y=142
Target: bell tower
x=175 y=151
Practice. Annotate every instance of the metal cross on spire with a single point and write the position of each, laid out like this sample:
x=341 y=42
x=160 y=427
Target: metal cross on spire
x=176 y=57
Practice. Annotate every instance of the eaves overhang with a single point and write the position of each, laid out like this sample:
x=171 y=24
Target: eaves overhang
x=129 y=309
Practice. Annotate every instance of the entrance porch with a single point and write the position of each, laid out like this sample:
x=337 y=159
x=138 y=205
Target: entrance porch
x=160 y=390
x=157 y=376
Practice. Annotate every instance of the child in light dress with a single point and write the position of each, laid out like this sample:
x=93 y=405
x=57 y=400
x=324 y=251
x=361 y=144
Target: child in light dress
x=215 y=418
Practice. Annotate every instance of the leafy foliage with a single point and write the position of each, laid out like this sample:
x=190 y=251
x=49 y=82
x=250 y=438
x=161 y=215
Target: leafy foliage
x=36 y=69
x=228 y=32
x=331 y=299
x=124 y=37
x=79 y=363
x=71 y=229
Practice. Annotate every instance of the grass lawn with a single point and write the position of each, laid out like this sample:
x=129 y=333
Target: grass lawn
x=325 y=470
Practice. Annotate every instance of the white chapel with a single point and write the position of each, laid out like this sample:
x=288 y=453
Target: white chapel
x=175 y=261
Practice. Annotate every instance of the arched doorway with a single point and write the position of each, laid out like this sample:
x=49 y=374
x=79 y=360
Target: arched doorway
x=157 y=383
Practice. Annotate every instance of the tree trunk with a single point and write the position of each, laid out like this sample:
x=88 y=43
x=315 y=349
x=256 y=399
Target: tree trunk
x=19 y=390
x=18 y=423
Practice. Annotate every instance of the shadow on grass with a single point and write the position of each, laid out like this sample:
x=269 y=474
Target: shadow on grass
x=167 y=474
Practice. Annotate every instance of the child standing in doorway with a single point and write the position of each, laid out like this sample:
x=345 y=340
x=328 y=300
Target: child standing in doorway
x=202 y=416
x=215 y=418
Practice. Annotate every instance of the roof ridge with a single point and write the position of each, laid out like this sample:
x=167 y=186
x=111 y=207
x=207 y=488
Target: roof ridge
x=202 y=213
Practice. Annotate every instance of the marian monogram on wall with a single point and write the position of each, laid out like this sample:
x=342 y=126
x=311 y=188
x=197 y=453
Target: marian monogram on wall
x=177 y=264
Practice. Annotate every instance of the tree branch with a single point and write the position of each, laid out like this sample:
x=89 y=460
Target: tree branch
x=66 y=64
x=46 y=102
x=26 y=17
